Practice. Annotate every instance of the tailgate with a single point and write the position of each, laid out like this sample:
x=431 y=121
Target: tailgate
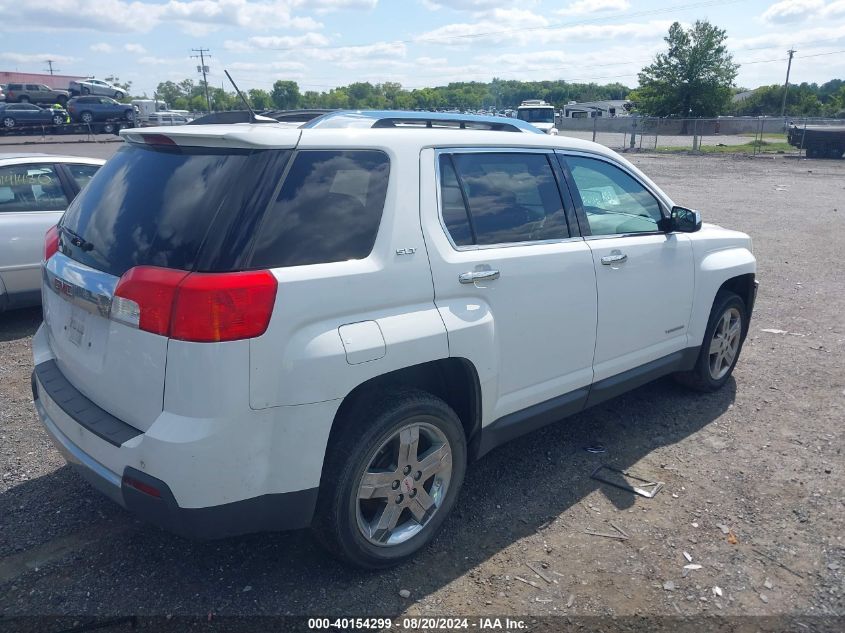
x=119 y=368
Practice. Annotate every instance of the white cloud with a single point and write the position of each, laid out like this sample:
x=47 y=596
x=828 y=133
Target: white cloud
x=792 y=10
x=272 y=42
x=193 y=16
x=155 y=61
x=102 y=47
x=834 y=9
x=30 y=58
x=472 y=5
x=533 y=33
x=346 y=54
x=134 y=48
x=580 y=7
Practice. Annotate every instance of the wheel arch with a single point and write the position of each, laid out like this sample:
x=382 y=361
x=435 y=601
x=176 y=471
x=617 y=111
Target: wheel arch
x=453 y=380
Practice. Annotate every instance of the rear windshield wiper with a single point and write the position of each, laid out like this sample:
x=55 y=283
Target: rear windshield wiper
x=77 y=240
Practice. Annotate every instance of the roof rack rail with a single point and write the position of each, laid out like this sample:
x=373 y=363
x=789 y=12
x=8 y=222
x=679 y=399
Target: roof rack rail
x=414 y=119
x=232 y=116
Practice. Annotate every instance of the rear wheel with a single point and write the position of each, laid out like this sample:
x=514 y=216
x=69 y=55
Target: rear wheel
x=86 y=91
x=109 y=128
x=86 y=117
x=23 y=99
x=391 y=476
x=118 y=95
x=58 y=119
x=8 y=122
x=722 y=344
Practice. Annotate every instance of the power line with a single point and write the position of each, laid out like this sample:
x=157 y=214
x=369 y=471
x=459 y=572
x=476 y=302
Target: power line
x=50 y=68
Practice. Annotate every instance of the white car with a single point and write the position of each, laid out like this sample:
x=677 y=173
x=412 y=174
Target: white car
x=95 y=87
x=254 y=327
x=35 y=189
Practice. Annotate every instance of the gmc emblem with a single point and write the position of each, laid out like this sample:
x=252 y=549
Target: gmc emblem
x=62 y=287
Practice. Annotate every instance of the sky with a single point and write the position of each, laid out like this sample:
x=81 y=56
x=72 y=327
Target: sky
x=322 y=44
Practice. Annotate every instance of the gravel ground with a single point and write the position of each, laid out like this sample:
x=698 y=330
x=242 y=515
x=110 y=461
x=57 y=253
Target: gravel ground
x=754 y=474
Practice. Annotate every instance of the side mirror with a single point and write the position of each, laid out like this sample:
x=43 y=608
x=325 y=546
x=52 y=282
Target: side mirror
x=684 y=220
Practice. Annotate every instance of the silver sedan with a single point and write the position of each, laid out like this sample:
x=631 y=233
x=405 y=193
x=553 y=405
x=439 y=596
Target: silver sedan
x=35 y=190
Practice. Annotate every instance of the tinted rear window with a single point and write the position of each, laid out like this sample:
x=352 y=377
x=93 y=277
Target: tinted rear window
x=328 y=209
x=154 y=206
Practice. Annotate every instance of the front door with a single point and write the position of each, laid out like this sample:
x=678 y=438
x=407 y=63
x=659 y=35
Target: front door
x=513 y=280
x=644 y=276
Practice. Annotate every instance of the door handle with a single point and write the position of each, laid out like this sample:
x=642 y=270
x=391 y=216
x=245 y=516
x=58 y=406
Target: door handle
x=617 y=258
x=479 y=275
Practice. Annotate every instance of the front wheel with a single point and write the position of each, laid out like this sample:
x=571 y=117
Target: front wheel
x=58 y=119
x=118 y=96
x=24 y=99
x=391 y=476
x=86 y=91
x=8 y=122
x=86 y=117
x=722 y=344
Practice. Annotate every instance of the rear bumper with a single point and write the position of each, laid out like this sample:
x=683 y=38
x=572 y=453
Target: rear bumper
x=69 y=425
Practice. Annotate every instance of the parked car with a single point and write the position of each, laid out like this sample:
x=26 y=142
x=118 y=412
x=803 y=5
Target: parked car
x=35 y=189
x=166 y=118
x=348 y=317
x=17 y=115
x=35 y=93
x=95 y=87
x=91 y=109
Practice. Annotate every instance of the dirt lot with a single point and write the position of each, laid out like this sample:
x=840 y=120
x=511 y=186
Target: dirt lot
x=762 y=458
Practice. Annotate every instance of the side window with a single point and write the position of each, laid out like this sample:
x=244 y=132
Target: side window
x=31 y=188
x=615 y=203
x=328 y=210
x=511 y=197
x=82 y=173
x=455 y=215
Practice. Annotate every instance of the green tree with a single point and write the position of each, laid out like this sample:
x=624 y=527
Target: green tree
x=260 y=99
x=693 y=77
x=285 y=94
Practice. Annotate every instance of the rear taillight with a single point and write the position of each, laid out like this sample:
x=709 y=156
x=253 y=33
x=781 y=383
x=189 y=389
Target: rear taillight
x=51 y=242
x=201 y=307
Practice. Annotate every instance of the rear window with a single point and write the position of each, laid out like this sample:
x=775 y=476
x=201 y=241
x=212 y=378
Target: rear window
x=328 y=209
x=154 y=206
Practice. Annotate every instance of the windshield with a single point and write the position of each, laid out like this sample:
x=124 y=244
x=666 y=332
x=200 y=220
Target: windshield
x=536 y=115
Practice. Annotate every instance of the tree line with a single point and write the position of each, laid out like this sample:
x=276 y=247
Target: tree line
x=694 y=77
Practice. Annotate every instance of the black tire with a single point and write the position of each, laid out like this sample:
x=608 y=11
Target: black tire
x=365 y=426
x=86 y=117
x=23 y=99
x=129 y=115
x=700 y=377
x=118 y=96
x=8 y=123
x=109 y=128
x=86 y=91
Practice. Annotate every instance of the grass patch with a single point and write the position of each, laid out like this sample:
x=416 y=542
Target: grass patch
x=758 y=146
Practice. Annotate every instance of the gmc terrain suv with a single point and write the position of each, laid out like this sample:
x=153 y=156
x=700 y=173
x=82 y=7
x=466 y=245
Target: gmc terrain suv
x=257 y=327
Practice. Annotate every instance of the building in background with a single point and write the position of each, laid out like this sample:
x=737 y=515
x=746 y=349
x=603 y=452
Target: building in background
x=56 y=82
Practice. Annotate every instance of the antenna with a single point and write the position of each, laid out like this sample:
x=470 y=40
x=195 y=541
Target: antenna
x=252 y=116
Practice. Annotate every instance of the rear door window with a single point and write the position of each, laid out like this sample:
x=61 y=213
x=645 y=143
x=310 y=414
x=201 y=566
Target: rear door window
x=31 y=188
x=510 y=197
x=328 y=209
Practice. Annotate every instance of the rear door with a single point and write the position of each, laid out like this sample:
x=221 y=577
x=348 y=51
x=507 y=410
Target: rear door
x=514 y=282
x=32 y=200
x=644 y=277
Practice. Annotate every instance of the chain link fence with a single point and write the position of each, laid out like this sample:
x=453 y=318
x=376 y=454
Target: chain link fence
x=723 y=135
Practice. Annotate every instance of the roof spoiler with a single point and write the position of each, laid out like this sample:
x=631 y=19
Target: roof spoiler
x=233 y=116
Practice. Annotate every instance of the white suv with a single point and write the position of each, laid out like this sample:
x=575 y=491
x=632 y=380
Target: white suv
x=255 y=327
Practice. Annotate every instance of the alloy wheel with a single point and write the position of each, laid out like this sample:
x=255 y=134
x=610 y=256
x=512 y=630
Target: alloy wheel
x=404 y=484
x=8 y=122
x=724 y=345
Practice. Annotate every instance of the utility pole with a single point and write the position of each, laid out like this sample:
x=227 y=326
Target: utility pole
x=786 y=84
x=204 y=69
x=50 y=64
